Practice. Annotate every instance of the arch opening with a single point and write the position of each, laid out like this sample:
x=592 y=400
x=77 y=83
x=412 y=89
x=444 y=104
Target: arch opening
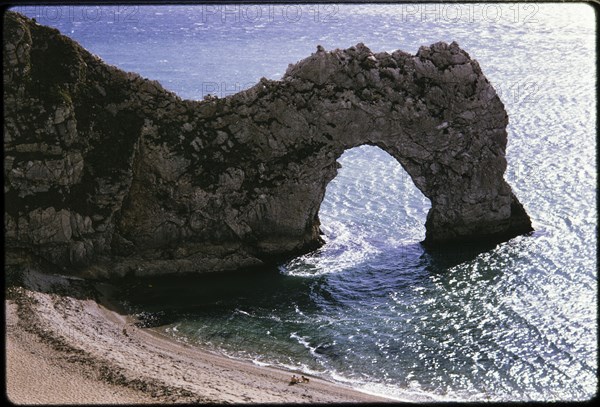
x=374 y=196
x=371 y=207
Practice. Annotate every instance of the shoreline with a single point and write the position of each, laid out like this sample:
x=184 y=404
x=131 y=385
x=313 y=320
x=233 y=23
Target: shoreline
x=68 y=343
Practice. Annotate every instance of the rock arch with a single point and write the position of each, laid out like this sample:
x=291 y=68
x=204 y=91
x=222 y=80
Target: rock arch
x=105 y=164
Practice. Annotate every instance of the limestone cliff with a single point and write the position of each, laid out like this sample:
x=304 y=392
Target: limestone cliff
x=108 y=173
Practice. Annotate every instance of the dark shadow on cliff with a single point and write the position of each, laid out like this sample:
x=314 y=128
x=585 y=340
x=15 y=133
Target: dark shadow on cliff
x=23 y=270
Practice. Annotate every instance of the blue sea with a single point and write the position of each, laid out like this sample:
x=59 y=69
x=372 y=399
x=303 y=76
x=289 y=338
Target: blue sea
x=372 y=308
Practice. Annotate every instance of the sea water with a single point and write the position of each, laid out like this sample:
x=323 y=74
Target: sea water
x=372 y=308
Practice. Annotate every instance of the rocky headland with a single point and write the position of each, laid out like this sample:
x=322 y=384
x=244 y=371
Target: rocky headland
x=108 y=174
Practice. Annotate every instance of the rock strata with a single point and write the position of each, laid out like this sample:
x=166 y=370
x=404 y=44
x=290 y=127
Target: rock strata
x=109 y=174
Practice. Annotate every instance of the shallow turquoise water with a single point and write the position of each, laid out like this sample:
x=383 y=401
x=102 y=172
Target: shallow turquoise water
x=371 y=308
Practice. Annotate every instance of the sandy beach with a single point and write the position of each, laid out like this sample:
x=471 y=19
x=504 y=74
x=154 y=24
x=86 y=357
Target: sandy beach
x=66 y=344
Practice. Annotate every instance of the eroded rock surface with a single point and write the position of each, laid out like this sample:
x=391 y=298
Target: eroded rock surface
x=109 y=173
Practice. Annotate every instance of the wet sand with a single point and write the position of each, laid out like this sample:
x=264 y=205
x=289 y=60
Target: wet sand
x=67 y=343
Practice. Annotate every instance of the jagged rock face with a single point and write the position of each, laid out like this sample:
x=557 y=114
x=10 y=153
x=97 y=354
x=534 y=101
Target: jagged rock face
x=109 y=173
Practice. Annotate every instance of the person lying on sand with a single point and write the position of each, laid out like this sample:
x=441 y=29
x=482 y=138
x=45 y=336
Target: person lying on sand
x=295 y=379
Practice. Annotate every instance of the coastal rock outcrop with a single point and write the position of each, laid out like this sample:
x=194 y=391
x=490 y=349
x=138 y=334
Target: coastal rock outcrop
x=108 y=173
